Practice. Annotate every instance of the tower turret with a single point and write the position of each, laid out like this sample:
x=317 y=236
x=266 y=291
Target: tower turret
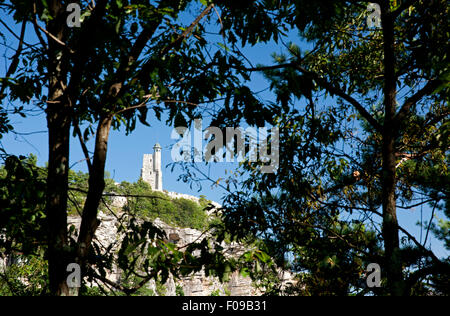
x=151 y=168
x=157 y=157
x=157 y=167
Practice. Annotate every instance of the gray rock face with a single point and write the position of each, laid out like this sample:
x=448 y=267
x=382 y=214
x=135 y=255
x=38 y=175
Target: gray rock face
x=197 y=284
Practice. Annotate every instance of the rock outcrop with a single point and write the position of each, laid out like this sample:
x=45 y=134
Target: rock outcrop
x=197 y=284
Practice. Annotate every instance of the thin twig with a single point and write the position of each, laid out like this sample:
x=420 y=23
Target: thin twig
x=55 y=38
x=83 y=146
x=429 y=224
x=187 y=32
x=15 y=59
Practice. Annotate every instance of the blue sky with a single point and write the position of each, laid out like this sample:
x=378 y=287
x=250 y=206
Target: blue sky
x=126 y=152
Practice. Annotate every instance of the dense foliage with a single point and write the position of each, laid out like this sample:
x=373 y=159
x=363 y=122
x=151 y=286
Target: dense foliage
x=23 y=234
x=180 y=212
x=355 y=150
x=363 y=113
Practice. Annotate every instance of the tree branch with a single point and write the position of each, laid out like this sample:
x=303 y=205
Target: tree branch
x=138 y=47
x=36 y=28
x=415 y=205
x=325 y=84
x=20 y=38
x=126 y=290
x=403 y=6
x=187 y=31
x=53 y=37
x=15 y=59
x=83 y=146
x=82 y=53
x=340 y=93
x=429 y=224
x=414 y=240
x=431 y=86
x=144 y=104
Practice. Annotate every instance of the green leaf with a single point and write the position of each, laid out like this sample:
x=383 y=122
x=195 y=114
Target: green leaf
x=223 y=46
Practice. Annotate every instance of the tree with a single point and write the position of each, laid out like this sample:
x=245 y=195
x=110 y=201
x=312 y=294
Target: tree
x=104 y=73
x=22 y=195
x=354 y=144
x=128 y=56
x=22 y=227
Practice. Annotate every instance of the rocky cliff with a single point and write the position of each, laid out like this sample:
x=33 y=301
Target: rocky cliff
x=197 y=284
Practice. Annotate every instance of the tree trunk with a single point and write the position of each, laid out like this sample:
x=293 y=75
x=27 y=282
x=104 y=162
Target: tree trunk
x=392 y=264
x=89 y=222
x=57 y=185
x=58 y=122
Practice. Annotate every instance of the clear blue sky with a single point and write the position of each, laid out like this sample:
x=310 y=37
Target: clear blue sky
x=125 y=152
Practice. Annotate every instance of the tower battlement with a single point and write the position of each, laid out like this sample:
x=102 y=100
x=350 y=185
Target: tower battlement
x=151 y=171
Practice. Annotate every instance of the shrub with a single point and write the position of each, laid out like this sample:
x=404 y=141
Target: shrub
x=153 y=204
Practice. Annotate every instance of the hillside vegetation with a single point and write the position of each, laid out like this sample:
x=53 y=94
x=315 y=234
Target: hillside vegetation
x=142 y=201
x=179 y=212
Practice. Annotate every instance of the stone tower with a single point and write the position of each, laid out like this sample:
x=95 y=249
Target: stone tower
x=151 y=168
